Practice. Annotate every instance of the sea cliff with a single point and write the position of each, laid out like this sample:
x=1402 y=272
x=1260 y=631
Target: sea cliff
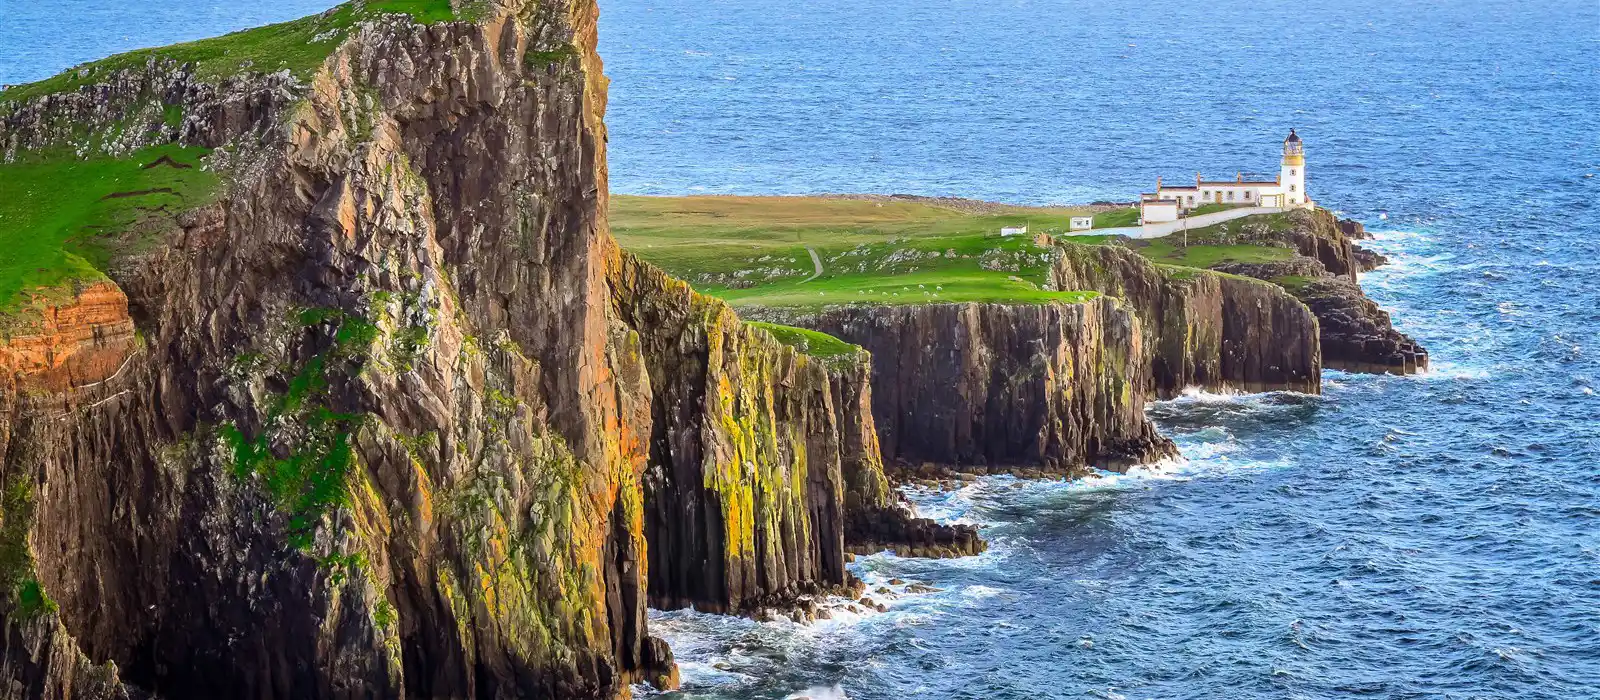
x=1355 y=333
x=385 y=411
x=1206 y=330
x=1056 y=387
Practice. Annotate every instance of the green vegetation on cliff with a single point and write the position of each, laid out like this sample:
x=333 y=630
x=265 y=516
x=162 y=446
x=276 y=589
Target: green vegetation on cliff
x=297 y=46
x=61 y=219
x=758 y=251
x=313 y=479
x=67 y=209
x=813 y=343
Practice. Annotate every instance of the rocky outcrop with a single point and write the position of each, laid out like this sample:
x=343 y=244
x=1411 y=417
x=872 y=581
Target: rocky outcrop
x=374 y=446
x=1356 y=334
x=744 y=494
x=878 y=517
x=1060 y=385
x=80 y=340
x=764 y=461
x=119 y=112
x=1213 y=331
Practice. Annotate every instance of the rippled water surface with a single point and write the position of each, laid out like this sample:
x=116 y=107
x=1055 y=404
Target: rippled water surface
x=1423 y=537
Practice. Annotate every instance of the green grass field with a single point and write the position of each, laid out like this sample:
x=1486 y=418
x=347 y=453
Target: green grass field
x=298 y=45
x=1172 y=252
x=1117 y=218
x=756 y=251
x=61 y=220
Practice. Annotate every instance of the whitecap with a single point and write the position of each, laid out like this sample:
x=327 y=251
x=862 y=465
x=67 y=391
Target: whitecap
x=980 y=592
x=819 y=692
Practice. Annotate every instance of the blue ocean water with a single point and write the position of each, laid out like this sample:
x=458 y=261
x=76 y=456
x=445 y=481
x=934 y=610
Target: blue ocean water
x=1434 y=536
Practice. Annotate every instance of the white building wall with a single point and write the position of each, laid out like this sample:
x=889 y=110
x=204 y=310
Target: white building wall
x=1183 y=196
x=1207 y=194
x=1293 y=178
x=1155 y=213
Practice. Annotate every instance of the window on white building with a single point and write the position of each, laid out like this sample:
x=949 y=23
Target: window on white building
x=1291 y=171
x=1291 y=188
x=1230 y=196
x=1247 y=195
x=1205 y=193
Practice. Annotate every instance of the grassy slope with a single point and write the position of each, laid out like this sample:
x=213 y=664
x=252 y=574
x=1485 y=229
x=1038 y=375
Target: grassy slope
x=886 y=252
x=298 y=45
x=60 y=220
x=62 y=217
x=810 y=342
x=1117 y=218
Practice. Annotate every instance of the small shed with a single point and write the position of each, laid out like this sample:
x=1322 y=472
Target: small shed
x=1014 y=231
x=1082 y=223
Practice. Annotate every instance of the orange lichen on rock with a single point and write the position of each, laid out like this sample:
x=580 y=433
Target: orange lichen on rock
x=77 y=342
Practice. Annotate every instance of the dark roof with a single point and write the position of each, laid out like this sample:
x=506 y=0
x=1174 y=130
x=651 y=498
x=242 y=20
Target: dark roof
x=1293 y=137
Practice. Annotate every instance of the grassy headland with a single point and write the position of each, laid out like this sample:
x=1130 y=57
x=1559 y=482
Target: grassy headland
x=65 y=214
x=297 y=46
x=756 y=251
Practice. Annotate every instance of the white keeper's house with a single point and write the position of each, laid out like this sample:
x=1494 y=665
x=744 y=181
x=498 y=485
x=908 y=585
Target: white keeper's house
x=1168 y=203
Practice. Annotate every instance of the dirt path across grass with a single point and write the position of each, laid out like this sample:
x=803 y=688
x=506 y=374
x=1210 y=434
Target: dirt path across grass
x=814 y=261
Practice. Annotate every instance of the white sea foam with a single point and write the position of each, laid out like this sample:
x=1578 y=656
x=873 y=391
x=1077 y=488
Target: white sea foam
x=832 y=692
x=980 y=592
x=1196 y=394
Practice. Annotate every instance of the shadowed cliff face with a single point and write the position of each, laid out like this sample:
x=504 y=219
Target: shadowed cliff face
x=1205 y=330
x=404 y=422
x=1057 y=385
x=374 y=444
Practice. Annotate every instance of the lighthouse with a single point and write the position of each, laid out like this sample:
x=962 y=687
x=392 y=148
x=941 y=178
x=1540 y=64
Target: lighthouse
x=1288 y=191
x=1292 y=173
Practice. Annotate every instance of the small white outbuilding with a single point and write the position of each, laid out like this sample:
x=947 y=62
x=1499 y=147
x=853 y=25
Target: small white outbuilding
x=1082 y=223
x=1014 y=231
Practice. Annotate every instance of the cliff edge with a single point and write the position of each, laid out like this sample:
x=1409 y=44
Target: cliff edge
x=338 y=385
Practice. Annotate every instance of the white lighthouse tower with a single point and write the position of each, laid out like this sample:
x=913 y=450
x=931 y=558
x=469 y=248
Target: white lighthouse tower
x=1292 y=173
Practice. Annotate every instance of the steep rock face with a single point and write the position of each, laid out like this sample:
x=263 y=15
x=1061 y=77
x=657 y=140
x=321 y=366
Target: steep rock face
x=745 y=492
x=1212 y=331
x=1060 y=385
x=1356 y=334
x=764 y=462
x=121 y=112
x=878 y=517
x=379 y=441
